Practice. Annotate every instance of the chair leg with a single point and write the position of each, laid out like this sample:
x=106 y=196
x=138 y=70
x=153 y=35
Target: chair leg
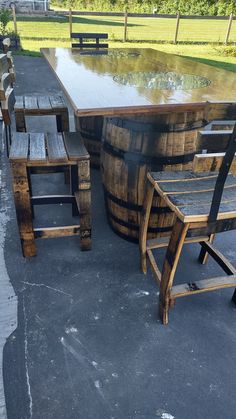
x=234 y=297
x=203 y=255
x=144 y=226
x=84 y=204
x=20 y=122
x=23 y=208
x=173 y=252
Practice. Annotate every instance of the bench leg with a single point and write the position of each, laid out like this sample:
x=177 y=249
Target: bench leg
x=173 y=252
x=62 y=121
x=23 y=208
x=84 y=188
x=20 y=122
x=144 y=226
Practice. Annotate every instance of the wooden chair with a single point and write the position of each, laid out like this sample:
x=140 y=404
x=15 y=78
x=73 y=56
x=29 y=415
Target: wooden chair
x=85 y=37
x=32 y=152
x=204 y=204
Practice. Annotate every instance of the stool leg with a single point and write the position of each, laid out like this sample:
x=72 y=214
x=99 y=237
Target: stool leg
x=144 y=226
x=234 y=297
x=62 y=121
x=20 y=122
x=74 y=187
x=84 y=204
x=169 y=267
x=203 y=255
x=30 y=191
x=23 y=208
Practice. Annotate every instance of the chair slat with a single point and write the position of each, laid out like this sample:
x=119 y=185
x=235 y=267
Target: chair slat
x=57 y=102
x=4 y=84
x=7 y=106
x=195 y=185
x=89 y=35
x=88 y=45
x=211 y=162
x=19 y=147
x=213 y=141
x=44 y=102
x=3 y=64
x=19 y=103
x=56 y=149
x=37 y=147
x=199 y=198
x=30 y=102
x=75 y=146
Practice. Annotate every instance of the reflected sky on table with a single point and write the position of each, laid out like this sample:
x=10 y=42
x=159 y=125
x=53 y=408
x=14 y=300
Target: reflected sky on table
x=124 y=78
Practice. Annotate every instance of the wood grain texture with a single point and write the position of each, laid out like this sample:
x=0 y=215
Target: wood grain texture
x=56 y=148
x=131 y=147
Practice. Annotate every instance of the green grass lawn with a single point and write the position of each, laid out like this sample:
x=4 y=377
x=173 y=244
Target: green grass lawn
x=37 y=32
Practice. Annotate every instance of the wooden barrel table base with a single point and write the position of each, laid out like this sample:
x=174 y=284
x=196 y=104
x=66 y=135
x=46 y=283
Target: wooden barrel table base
x=91 y=130
x=133 y=146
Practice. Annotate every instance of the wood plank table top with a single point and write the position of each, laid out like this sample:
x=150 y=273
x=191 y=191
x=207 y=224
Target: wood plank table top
x=132 y=81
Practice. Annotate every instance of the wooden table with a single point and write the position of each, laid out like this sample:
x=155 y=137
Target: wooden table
x=154 y=105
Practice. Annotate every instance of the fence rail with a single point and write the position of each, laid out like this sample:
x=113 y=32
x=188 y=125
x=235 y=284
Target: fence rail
x=140 y=27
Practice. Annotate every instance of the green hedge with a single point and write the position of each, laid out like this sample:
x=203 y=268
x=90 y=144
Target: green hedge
x=187 y=7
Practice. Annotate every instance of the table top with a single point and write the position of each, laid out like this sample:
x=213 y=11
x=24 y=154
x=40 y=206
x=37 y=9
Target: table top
x=131 y=81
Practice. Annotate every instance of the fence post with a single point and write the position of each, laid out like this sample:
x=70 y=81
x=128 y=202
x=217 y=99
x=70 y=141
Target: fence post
x=229 y=28
x=14 y=17
x=70 y=21
x=177 y=27
x=125 y=25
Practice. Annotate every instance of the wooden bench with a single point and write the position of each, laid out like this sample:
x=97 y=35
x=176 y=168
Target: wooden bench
x=31 y=151
x=84 y=39
x=204 y=204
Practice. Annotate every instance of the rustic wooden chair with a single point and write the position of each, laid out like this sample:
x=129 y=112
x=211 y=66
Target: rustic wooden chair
x=32 y=152
x=35 y=105
x=204 y=204
x=83 y=39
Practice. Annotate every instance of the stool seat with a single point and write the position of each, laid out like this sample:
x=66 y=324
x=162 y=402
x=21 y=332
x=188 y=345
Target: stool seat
x=190 y=194
x=47 y=149
x=31 y=151
x=39 y=105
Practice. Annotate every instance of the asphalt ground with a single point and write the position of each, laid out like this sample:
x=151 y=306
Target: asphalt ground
x=88 y=342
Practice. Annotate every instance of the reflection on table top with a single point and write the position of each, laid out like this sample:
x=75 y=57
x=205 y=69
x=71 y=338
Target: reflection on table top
x=121 y=81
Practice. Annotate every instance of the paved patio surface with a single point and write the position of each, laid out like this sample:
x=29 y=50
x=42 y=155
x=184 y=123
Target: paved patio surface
x=88 y=344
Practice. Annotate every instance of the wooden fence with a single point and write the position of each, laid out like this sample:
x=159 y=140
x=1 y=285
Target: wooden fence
x=127 y=17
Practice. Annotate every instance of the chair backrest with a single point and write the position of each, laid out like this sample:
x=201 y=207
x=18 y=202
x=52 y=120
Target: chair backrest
x=222 y=162
x=7 y=106
x=222 y=176
x=4 y=66
x=83 y=40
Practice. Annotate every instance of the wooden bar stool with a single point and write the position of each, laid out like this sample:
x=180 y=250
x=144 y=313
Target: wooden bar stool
x=31 y=151
x=49 y=105
x=204 y=204
x=40 y=153
x=41 y=106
